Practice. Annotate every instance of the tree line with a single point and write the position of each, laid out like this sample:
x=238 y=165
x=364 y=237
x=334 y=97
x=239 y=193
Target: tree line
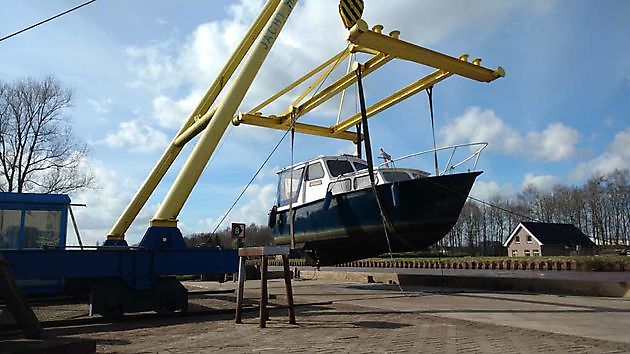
x=255 y=235
x=600 y=208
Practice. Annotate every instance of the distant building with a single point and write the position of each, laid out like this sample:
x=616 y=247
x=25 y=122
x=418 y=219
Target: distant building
x=547 y=239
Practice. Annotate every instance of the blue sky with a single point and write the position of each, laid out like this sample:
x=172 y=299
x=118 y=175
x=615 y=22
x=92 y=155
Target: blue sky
x=137 y=68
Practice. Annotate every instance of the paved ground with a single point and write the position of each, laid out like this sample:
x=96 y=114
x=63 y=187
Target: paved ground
x=378 y=318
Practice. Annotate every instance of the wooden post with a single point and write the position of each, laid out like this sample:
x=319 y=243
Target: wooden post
x=16 y=303
x=287 y=285
x=264 y=296
x=239 y=291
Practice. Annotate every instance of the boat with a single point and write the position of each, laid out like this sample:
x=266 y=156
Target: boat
x=337 y=219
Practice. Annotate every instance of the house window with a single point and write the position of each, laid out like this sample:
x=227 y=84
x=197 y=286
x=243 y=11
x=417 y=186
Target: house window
x=529 y=238
x=536 y=253
x=517 y=239
x=514 y=253
x=527 y=254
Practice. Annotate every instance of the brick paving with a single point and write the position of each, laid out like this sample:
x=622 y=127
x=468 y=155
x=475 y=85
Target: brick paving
x=335 y=328
x=371 y=318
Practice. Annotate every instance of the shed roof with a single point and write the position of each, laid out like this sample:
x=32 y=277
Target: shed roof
x=33 y=198
x=554 y=234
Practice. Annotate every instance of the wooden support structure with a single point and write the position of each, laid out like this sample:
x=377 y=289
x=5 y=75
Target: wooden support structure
x=16 y=303
x=263 y=253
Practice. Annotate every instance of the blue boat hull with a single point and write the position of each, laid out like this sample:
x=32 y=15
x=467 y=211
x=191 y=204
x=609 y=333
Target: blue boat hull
x=420 y=212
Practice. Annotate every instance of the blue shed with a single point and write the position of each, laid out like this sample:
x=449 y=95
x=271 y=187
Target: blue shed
x=34 y=221
x=30 y=220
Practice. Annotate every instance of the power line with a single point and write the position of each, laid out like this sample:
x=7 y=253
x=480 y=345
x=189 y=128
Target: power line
x=46 y=20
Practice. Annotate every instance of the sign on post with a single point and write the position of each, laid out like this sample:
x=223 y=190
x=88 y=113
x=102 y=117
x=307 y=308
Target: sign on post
x=238 y=230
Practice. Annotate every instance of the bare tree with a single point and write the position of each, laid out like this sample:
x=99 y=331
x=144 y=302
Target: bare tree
x=38 y=152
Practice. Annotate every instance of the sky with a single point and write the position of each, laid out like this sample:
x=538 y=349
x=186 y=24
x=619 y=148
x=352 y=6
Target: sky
x=138 y=68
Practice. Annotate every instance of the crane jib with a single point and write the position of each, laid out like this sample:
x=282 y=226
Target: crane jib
x=275 y=26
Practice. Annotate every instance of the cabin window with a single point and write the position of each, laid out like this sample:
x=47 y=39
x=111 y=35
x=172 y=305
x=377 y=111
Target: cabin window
x=360 y=166
x=41 y=228
x=395 y=176
x=10 y=228
x=536 y=253
x=364 y=182
x=340 y=186
x=529 y=238
x=314 y=171
x=527 y=254
x=418 y=175
x=339 y=167
x=517 y=239
x=288 y=180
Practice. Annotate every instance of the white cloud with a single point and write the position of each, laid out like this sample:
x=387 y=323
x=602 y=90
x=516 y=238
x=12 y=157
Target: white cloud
x=258 y=201
x=616 y=156
x=557 y=142
x=477 y=125
x=487 y=190
x=101 y=106
x=137 y=137
x=172 y=113
x=104 y=205
x=348 y=149
x=542 y=182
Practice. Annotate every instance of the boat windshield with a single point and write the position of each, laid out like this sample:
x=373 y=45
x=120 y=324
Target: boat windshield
x=360 y=166
x=395 y=176
x=339 y=167
x=289 y=185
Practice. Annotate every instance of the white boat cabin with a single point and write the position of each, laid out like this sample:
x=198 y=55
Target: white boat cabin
x=309 y=181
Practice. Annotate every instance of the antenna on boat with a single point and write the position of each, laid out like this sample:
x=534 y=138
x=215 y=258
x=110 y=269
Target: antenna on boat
x=387 y=158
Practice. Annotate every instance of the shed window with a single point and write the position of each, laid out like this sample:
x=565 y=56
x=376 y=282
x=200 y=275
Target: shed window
x=41 y=228
x=339 y=167
x=10 y=221
x=314 y=171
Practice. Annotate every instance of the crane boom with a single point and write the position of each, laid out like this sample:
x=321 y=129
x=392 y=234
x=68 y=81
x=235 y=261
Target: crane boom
x=198 y=117
x=211 y=123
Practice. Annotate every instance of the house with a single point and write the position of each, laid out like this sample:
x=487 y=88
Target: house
x=547 y=239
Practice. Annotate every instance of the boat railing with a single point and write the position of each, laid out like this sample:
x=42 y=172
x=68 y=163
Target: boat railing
x=450 y=166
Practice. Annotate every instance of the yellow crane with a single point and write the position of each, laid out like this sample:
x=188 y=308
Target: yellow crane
x=210 y=120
